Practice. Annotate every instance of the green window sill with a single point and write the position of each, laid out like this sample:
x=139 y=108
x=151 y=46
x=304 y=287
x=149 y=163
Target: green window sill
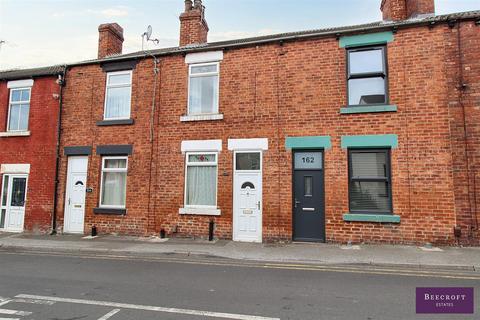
x=369 y=109
x=386 y=218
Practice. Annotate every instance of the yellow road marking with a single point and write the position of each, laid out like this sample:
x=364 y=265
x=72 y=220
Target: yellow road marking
x=281 y=266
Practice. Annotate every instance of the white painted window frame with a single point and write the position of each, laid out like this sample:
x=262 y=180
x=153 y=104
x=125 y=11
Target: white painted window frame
x=101 y=205
x=199 y=75
x=200 y=164
x=10 y=103
x=122 y=85
x=248 y=151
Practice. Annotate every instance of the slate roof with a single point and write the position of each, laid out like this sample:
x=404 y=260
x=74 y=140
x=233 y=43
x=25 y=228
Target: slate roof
x=288 y=36
x=30 y=73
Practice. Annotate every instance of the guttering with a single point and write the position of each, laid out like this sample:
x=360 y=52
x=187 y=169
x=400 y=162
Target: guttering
x=61 y=83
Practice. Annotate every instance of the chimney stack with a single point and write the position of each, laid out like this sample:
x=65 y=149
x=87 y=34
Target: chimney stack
x=395 y=10
x=193 y=26
x=110 y=39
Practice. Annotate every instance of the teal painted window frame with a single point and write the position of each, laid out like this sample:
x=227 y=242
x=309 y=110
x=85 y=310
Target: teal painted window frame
x=370 y=141
x=308 y=142
x=381 y=218
x=369 y=109
x=368 y=39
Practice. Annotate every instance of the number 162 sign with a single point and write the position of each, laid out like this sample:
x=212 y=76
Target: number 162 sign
x=308 y=160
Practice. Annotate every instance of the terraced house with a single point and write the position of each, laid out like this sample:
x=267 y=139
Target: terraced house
x=29 y=114
x=365 y=133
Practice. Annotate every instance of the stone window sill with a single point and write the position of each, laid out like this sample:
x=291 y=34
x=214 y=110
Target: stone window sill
x=200 y=211
x=385 y=218
x=201 y=117
x=14 y=134
x=110 y=211
x=368 y=109
x=115 y=122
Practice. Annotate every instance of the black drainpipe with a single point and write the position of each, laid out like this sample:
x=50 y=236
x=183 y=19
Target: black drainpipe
x=61 y=83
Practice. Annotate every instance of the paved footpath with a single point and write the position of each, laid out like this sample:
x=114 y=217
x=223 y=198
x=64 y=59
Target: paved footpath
x=328 y=254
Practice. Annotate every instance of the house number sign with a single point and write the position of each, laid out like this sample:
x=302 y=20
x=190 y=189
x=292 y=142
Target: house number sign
x=308 y=160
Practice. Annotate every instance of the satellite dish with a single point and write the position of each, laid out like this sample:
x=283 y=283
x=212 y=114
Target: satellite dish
x=149 y=32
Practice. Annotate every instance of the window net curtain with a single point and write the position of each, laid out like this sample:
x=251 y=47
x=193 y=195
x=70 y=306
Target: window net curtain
x=201 y=186
x=118 y=103
x=203 y=94
x=114 y=184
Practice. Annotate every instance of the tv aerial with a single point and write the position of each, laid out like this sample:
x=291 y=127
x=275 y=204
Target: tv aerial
x=147 y=36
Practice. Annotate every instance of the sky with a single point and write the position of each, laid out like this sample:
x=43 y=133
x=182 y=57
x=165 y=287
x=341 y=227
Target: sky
x=48 y=32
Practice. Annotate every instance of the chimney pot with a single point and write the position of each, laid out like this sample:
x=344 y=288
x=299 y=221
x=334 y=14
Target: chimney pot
x=197 y=4
x=110 y=39
x=188 y=5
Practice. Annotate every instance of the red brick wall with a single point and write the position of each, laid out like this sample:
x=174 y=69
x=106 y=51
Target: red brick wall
x=404 y=9
x=463 y=67
x=110 y=39
x=193 y=27
x=83 y=107
x=38 y=150
x=274 y=91
x=418 y=7
x=393 y=10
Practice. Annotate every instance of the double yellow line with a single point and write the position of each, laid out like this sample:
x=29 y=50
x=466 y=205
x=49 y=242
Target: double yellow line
x=396 y=271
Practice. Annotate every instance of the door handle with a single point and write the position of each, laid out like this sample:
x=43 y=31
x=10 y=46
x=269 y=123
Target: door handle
x=68 y=201
x=258 y=205
x=296 y=202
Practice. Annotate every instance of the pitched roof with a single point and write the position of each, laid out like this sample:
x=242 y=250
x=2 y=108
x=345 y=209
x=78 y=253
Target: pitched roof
x=32 y=72
x=288 y=36
x=336 y=31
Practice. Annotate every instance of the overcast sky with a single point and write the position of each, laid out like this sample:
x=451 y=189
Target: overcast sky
x=45 y=32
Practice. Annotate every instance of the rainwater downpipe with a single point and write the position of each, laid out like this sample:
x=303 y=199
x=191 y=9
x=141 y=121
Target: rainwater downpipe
x=152 y=129
x=61 y=83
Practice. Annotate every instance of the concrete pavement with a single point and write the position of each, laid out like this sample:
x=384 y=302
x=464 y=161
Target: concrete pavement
x=409 y=256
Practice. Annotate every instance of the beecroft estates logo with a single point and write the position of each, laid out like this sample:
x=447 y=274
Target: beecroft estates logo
x=444 y=300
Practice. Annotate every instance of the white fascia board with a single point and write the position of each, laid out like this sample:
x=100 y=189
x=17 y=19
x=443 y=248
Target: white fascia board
x=201 y=145
x=248 y=144
x=20 y=83
x=15 y=168
x=201 y=57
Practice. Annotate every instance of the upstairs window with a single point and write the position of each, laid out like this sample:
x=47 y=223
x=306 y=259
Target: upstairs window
x=370 y=187
x=19 y=109
x=203 y=88
x=367 y=76
x=118 y=95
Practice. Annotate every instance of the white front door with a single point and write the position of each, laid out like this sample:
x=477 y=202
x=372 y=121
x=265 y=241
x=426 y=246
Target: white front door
x=14 y=196
x=247 y=197
x=75 y=195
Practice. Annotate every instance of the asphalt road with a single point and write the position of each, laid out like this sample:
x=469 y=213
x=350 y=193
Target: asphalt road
x=65 y=287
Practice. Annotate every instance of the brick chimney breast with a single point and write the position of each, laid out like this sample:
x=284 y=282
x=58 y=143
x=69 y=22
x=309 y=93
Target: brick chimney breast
x=395 y=10
x=193 y=26
x=418 y=8
x=110 y=39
